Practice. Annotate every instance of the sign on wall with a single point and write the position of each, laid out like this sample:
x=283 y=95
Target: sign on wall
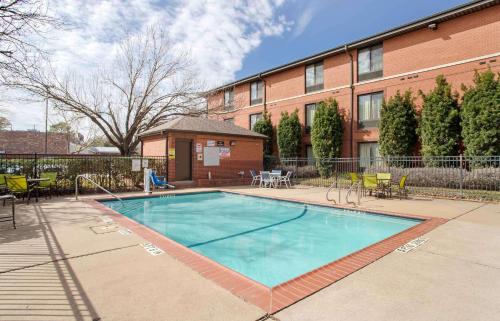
x=199 y=147
x=171 y=153
x=136 y=165
x=220 y=143
x=224 y=152
x=211 y=156
x=199 y=157
x=145 y=163
x=210 y=143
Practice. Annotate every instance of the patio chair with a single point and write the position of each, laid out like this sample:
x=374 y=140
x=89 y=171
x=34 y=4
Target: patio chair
x=385 y=183
x=18 y=185
x=402 y=191
x=370 y=183
x=159 y=181
x=255 y=177
x=12 y=216
x=354 y=178
x=266 y=179
x=50 y=185
x=3 y=184
x=286 y=179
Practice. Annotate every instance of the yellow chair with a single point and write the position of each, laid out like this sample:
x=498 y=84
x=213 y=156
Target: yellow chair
x=370 y=183
x=3 y=183
x=354 y=178
x=402 y=191
x=50 y=184
x=384 y=181
x=18 y=185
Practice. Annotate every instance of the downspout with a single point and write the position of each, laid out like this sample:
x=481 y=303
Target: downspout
x=351 y=86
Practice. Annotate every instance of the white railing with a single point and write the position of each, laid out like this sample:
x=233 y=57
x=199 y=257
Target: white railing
x=85 y=176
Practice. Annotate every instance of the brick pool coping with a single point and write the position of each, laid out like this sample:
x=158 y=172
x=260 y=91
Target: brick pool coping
x=283 y=295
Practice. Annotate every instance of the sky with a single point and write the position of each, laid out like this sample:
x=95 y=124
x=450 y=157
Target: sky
x=227 y=39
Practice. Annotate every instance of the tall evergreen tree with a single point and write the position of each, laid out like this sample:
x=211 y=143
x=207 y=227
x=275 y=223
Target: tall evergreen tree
x=398 y=126
x=289 y=134
x=264 y=126
x=326 y=135
x=480 y=115
x=440 y=121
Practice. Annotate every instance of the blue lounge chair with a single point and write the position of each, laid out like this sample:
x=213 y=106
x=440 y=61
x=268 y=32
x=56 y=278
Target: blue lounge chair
x=159 y=181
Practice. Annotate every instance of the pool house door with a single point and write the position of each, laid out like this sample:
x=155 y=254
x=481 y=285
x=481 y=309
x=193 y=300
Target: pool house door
x=183 y=159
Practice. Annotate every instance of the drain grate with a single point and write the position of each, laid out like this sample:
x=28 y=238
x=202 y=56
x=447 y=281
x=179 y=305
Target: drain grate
x=413 y=244
x=152 y=249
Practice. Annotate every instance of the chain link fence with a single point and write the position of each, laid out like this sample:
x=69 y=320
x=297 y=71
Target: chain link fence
x=114 y=173
x=476 y=177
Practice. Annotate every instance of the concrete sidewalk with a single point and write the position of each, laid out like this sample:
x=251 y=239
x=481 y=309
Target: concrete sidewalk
x=64 y=262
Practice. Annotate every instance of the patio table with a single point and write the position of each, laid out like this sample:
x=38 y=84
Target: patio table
x=276 y=178
x=383 y=184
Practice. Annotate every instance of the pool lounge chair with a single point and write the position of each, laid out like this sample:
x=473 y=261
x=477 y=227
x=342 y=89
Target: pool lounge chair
x=160 y=182
x=255 y=177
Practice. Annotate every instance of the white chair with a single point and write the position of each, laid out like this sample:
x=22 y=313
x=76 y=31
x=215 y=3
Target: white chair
x=266 y=180
x=255 y=177
x=286 y=179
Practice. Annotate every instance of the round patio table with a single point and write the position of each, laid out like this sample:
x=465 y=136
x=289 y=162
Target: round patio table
x=276 y=178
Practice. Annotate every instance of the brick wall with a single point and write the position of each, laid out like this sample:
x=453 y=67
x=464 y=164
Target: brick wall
x=245 y=155
x=27 y=142
x=411 y=61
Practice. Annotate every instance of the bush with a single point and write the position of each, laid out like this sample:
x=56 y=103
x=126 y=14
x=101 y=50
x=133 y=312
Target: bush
x=326 y=136
x=440 y=122
x=289 y=134
x=398 y=126
x=481 y=116
x=264 y=126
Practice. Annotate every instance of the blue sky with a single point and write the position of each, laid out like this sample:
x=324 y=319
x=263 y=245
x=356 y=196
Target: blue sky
x=327 y=24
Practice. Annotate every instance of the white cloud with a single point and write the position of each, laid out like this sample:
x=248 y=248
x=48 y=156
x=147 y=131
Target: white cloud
x=303 y=21
x=218 y=34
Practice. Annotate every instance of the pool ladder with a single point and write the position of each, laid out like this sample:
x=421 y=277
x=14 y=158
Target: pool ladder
x=355 y=186
x=85 y=176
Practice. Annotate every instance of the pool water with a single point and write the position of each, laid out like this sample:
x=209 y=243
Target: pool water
x=269 y=241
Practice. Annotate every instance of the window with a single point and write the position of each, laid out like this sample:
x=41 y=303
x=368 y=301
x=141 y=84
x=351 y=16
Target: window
x=369 y=109
x=228 y=98
x=310 y=110
x=370 y=64
x=256 y=92
x=254 y=118
x=314 y=77
x=368 y=153
x=229 y=120
x=310 y=155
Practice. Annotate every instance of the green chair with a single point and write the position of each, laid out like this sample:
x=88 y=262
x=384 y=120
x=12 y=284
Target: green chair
x=49 y=185
x=384 y=181
x=354 y=178
x=18 y=185
x=370 y=183
x=3 y=182
x=402 y=191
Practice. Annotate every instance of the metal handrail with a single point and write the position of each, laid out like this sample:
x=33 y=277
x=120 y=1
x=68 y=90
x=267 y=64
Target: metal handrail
x=93 y=182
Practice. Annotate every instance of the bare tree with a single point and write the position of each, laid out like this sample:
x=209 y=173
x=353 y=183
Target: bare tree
x=148 y=83
x=20 y=22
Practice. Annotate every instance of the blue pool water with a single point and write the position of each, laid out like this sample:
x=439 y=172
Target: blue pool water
x=269 y=241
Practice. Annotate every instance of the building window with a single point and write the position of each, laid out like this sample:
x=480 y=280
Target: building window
x=229 y=120
x=254 y=118
x=369 y=109
x=310 y=110
x=370 y=62
x=310 y=155
x=256 y=92
x=368 y=154
x=314 y=77
x=229 y=98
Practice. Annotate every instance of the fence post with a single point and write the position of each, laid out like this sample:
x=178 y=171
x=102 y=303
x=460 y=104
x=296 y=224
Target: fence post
x=461 y=176
x=35 y=168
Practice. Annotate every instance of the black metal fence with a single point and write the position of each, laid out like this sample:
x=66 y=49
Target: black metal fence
x=114 y=173
x=475 y=177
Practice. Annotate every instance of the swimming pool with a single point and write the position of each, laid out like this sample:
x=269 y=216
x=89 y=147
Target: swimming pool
x=270 y=241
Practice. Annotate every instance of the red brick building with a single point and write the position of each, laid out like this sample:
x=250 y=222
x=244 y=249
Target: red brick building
x=205 y=152
x=31 y=142
x=359 y=75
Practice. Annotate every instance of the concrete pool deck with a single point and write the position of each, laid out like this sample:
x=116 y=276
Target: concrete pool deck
x=65 y=263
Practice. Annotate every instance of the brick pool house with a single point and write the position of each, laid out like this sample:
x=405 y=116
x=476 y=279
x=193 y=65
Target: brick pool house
x=205 y=152
x=360 y=74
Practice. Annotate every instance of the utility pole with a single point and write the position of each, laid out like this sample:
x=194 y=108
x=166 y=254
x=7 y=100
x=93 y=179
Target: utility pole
x=46 y=123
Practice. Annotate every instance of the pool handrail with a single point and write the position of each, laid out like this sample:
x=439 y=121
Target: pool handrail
x=85 y=176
